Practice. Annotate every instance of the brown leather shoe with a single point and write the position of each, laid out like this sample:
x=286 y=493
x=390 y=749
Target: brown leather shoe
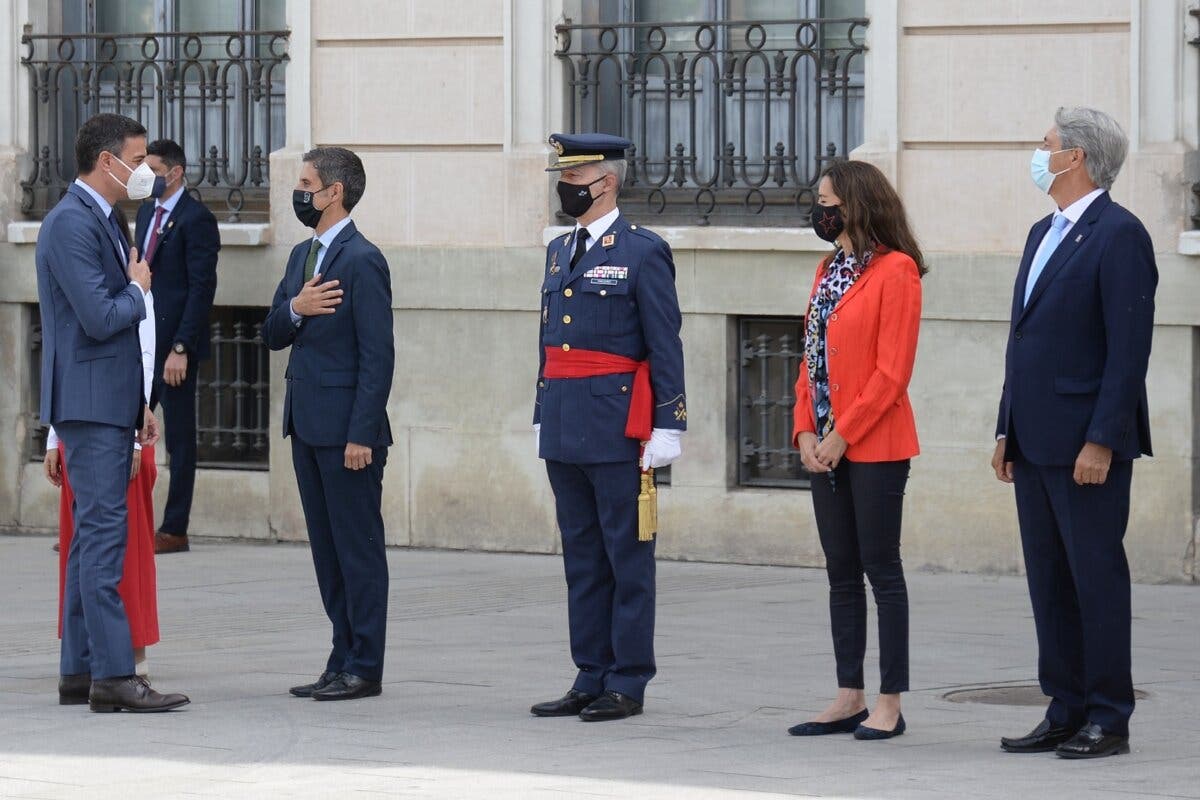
x=131 y=693
x=170 y=543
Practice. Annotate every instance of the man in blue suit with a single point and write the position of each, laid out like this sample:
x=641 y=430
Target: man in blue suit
x=334 y=309
x=1073 y=417
x=610 y=399
x=92 y=289
x=178 y=235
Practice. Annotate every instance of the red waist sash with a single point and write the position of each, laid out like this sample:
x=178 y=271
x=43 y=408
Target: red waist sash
x=591 y=363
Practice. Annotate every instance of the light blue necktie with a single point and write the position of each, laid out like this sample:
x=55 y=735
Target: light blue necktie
x=1049 y=245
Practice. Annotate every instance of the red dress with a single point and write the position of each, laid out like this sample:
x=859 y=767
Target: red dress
x=138 y=587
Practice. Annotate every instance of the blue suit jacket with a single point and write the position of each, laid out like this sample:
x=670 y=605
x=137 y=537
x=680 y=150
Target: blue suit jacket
x=619 y=299
x=1075 y=371
x=339 y=372
x=185 y=275
x=91 y=357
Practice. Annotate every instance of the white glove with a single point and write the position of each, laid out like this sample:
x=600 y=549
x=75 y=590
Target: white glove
x=537 y=440
x=663 y=448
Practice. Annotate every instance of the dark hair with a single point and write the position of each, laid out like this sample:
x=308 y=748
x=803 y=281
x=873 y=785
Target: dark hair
x=872 y=210
x=339 y=165
x=169 y=151
x=103 y=133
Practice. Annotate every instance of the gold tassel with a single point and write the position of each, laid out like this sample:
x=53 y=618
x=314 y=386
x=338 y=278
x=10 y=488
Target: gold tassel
x=647 y=508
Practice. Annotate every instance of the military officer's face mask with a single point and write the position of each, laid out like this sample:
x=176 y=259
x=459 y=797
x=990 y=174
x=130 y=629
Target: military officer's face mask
x=576 y=198
x=302 y=203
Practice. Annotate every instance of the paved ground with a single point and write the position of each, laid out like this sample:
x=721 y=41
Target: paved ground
x=743 y=653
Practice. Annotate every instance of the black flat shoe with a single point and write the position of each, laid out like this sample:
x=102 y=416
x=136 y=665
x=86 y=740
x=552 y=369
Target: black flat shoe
x=865 y=734
x=348 y=687
x=73 y=689
x=610 y=706
x=131 y=693
x=307 y=689
x=1093 y=742
x=1042 y=739
x=569 y=705
x=847 y=725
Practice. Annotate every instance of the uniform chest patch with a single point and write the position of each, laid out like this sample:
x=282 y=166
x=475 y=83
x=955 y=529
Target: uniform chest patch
x=608 y=273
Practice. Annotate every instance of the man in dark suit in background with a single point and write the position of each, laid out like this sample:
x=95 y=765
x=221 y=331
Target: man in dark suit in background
x=92 y=289
x=1073 y=416
x=179 y=236
x=334 y=309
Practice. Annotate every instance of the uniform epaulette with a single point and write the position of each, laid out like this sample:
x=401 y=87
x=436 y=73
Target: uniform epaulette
x=645 y=233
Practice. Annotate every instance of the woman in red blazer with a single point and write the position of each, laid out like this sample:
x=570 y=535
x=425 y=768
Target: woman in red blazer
x=855 y=431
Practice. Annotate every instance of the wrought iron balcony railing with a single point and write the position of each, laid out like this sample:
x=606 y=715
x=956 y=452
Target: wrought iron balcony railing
x=731 y=121
x=218 y=94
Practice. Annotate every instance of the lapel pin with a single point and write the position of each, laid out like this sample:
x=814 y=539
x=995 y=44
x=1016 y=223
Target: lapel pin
x=608 y=240
x=1079 y=238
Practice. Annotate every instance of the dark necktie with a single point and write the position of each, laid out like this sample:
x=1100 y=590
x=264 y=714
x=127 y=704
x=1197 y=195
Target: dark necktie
x=310 y=263
x=152 y=245
x=123 y=242
x=580 y=246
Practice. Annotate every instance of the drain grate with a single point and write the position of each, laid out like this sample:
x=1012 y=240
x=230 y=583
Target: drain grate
x=1008 y=695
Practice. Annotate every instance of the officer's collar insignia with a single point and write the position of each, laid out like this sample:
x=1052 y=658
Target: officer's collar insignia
x=609 y=240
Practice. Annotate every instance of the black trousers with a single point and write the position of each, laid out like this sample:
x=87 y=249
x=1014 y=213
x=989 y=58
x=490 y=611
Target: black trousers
x=858 y=520
x=179 y=420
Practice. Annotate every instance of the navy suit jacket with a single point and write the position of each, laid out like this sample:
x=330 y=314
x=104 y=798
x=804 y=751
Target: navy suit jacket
x=620 y=298
x=339 y=372
x=185 y=275
x=91 y=356
x=1075 y=371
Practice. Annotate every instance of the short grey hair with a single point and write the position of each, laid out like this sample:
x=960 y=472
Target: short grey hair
x=1099 y=136
x=615 y=166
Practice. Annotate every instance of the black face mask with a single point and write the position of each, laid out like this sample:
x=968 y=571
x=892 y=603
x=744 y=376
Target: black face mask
x=576 y=198
x=302 y=204
x=827 y=222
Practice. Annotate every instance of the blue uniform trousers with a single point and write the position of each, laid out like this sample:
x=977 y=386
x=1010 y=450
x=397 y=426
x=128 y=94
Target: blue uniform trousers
x=95 y=629
x=345 y=532
x=1079 y=584
x=610 y=576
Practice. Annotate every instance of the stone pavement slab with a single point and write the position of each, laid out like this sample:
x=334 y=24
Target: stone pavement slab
x=475 y=639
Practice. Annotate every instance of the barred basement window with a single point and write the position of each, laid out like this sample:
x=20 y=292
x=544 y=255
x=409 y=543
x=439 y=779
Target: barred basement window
x=769 y=353
x=233 y=393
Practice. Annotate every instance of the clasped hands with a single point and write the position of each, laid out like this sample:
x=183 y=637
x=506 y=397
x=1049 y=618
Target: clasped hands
x=822 y=455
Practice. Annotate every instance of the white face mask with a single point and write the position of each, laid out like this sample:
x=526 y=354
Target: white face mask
x=141 y=180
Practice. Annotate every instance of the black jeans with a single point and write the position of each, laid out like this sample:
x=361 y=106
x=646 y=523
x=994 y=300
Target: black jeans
x=858 y=520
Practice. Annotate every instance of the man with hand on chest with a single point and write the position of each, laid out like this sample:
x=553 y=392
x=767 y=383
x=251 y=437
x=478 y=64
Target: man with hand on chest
x=610 y=404
x=334 y=309
x=179 y=236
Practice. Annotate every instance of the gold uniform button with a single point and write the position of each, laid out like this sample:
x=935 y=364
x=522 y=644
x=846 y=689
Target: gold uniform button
x=566 y=347
x=566 y=319
x=603 y=292
x=567 y=293
x=624 y=388
x=633 y=227
x=541 y=384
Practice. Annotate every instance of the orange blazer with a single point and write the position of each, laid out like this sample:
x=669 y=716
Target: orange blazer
x=871 y=343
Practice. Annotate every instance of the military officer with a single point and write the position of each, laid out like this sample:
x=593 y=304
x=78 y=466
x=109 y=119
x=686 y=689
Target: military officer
x=610 y=404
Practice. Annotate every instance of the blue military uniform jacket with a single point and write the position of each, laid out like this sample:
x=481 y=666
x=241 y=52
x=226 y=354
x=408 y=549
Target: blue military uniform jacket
x=620 y=298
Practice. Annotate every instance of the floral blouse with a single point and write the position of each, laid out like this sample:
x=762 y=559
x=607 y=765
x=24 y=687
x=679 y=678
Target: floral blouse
x=843 y=271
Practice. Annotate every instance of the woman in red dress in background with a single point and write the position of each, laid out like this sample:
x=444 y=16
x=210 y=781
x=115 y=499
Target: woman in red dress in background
x=138 y=587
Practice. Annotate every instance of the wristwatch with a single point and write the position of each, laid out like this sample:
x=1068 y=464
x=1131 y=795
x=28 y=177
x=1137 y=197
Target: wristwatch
x=179 y=348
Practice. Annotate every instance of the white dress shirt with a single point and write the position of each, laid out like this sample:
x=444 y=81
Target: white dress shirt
x=326 y=239
x=596 y=229
x=1072 y=212
x=169 y=206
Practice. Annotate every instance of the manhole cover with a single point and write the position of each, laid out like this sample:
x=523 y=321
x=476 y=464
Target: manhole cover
x=1013 y=695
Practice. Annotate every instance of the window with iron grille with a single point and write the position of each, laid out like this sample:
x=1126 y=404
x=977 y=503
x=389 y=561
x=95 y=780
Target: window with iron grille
x=233 y=393
x=769 y=354
x=209 y=75
x=734 y=107
x=36 y=432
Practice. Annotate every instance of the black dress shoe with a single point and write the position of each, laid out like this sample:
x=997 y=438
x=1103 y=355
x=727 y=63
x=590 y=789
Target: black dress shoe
x=1093 y=742
x=1042 y=739
x=348 y=687
x=865 y=734
x=847 y=725
x=131 y=693
x=611 y=705
x=73 y=689
x=569 y=705
x=307 y=689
